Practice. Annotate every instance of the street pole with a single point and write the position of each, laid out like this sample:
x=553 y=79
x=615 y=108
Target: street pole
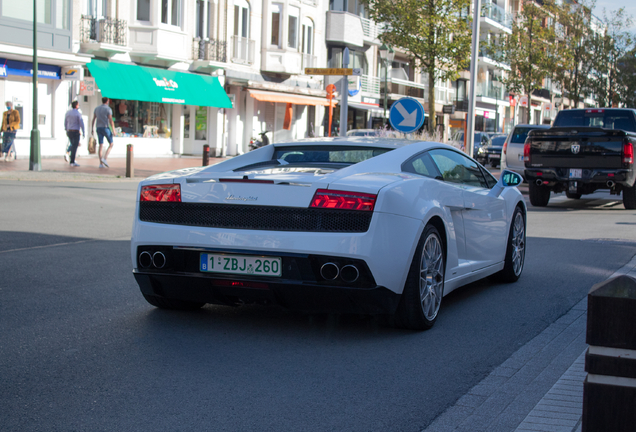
x=35 y=161
x=473 y=82
x=344 y=99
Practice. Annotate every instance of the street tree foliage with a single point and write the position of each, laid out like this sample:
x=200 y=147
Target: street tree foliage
x=627 y=79
x=530 y=50
x=572 y=65
x=435 y=34
x=609 y=48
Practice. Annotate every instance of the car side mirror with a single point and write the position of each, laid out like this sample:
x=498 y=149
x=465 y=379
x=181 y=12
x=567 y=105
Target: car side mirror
x=510 y=178
x=506 y=179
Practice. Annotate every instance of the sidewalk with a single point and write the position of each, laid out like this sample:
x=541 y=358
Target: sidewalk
x=89 y=167
x=539 y=388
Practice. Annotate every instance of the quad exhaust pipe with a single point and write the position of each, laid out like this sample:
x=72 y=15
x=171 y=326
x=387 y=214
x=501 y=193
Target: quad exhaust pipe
x=348 y=273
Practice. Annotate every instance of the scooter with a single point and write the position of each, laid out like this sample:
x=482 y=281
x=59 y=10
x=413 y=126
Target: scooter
x=254 y=143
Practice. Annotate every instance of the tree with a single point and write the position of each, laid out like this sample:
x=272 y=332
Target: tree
x=433 y=33
x=609 y=47
x=573 y=62
x=530 y=50
x=627 y=79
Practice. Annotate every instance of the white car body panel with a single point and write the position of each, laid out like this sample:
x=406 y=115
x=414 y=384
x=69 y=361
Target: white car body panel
x=475 y=224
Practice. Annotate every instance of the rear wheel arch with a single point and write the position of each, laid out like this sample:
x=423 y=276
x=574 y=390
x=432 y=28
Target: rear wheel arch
x=438 y=223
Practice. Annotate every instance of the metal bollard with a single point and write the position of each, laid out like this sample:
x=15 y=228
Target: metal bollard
x=130 y=169
x=609 y=390
x=206 y=155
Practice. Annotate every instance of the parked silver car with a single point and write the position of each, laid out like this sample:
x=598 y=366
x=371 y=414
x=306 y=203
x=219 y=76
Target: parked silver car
x=512 y=154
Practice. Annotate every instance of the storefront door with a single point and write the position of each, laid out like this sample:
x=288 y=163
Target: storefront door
x=195 y=129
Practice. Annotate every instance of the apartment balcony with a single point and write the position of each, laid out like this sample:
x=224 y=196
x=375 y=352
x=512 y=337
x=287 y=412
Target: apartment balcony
x=486 y=55
x=208 y=55
x=491 y=91
x=103 y=36
x=168 y=44
x=495 y=19
x=371 y=31
x=345 y=28
x=371 y=84
x=243 y=50
x=309 y=61
x=461 y=105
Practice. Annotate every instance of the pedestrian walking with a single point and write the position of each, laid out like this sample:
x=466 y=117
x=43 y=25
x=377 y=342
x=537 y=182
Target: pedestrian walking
x=10 y=125
x=73 y=122
x=103 y=117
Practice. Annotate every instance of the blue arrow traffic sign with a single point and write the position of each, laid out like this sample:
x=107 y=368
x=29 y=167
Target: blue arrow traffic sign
x=406 y=115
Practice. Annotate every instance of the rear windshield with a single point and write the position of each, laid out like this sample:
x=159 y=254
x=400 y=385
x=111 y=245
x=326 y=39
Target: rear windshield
x=608 y=119
x=326 y=154
x=499 y=140
x=520 y=134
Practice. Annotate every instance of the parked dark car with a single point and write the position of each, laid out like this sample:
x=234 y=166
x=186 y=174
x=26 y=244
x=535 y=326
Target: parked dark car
x=481 y=139
x=492 y=152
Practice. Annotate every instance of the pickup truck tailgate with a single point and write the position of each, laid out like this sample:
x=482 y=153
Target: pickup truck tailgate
x=584 y=148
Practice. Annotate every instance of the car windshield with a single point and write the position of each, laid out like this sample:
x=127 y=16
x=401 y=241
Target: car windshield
x=608 y=119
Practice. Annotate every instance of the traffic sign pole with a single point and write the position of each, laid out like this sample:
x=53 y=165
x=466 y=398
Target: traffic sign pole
x=344 y=99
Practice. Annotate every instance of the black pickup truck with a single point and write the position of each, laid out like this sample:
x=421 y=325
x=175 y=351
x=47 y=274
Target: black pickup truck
x=585 y=150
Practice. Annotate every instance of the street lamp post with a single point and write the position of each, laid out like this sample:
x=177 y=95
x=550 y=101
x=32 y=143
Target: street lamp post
x=386 y=54
x=35 y=161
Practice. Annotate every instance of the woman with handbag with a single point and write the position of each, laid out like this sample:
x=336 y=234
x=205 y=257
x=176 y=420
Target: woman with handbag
x=10 y=124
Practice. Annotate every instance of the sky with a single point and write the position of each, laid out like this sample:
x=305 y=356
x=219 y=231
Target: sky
x=613 y=5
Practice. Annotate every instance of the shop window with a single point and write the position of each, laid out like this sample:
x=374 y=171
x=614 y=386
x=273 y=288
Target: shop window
x=171 y=12
x=292 y=27
x=143 y=10
x=277 y=13
x=141 y=119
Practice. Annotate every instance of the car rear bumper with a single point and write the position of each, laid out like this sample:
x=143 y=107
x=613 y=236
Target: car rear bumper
x=293 y=294
x=598 y=178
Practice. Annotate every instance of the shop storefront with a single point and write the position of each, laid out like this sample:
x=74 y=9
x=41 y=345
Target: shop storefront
x=159 y=111
x=16 y=85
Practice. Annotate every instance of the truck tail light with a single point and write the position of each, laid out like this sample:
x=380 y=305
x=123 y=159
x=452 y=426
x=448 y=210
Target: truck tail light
x=342 y=200
x=161 y=193
x=526 y=152
x=628 y=152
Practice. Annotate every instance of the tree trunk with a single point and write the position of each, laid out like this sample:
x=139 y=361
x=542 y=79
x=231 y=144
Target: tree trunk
x=431 y=101
x=529 y=108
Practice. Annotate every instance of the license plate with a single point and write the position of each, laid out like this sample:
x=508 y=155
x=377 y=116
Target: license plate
x=576 y=173
x=521 y=158
x=241 y=264
x=494 y=156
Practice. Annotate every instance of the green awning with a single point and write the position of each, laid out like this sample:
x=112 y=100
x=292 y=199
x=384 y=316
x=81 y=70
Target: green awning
x=148 y=84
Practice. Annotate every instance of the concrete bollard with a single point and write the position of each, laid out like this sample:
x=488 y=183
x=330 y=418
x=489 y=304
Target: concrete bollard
x=206 y=155
x=130 y=168
x=609 y=390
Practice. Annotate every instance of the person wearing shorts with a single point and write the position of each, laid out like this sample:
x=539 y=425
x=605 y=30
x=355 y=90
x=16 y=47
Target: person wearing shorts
x=103 y=118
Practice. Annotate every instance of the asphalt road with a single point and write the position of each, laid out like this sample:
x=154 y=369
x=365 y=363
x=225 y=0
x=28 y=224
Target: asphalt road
x=80 y=349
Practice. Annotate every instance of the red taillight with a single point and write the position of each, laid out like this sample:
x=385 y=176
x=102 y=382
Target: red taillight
x=628 y=153
x=505 y=147
x=526 y=152
x=163 y=193
x=343 y=200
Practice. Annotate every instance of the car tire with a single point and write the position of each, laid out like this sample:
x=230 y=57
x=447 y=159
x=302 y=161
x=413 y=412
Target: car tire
x=539 y=195
x=629 y=197
x=172 y=304
x=515 y=250
x=424 y=287
x=573 y=195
